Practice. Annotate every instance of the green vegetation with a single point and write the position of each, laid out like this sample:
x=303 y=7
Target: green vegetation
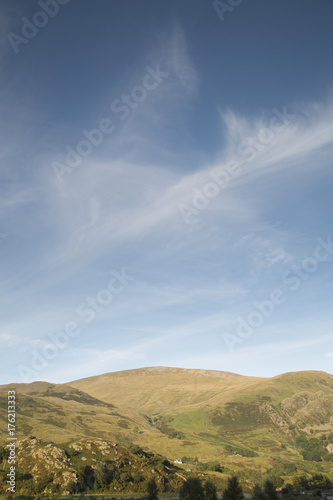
x=313 y=449
x=189 y=489
x=208 y=466
x=89 y=466
x=120 y=432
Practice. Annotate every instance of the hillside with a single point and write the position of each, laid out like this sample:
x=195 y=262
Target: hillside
x=213 y=421
x=214 y=414
x=88 y=465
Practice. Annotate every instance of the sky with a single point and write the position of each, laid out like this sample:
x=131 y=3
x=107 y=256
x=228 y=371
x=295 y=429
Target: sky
x=166 y=186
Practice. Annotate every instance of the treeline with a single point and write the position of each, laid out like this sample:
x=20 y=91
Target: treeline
x=314 y=482
x=303 y=487
x=193 y=489
x=204 y=466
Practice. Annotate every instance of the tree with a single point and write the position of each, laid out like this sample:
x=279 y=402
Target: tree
x=192 y=490
x=287 y=489
x=233 y=490
x=210 y=491
x=301 y=483
x=320 y=481
x=152 y=490
x=258 y=493
x=270 y=490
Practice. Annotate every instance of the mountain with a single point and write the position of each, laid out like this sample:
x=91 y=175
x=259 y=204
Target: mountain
x=212 y=414
x=215 y=422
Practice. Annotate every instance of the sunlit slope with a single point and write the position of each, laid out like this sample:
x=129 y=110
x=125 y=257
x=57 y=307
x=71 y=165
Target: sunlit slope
x=60 y=413
x=244 y=421
x=222 y=413
x=170 y=388
x=160 y=387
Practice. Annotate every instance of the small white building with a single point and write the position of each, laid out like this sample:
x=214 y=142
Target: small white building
x=177 y=462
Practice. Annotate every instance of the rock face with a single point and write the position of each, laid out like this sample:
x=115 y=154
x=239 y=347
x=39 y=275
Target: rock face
x=48 y=465
x=294 y=403
x=309 y=409
x=276 y=418
x=35 y=451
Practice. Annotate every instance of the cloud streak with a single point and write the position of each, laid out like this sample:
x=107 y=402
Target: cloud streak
x=121 y=208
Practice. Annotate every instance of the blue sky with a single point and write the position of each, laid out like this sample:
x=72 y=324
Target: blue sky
x=166 y=186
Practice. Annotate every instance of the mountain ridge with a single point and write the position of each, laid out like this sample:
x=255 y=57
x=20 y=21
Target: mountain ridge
x=279 y=425
x=161 y=369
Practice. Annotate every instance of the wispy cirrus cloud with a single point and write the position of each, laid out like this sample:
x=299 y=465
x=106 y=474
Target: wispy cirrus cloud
x=121 y=207
x=110 y=203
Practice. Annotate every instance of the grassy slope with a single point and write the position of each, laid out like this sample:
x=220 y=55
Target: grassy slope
x=213 y=410
x=175 y=412
x=60 y=413
x=161 y=387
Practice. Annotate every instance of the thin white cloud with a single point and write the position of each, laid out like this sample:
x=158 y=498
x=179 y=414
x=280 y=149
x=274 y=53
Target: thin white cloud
x=121 y=207
x=180 y=62
x=107 y=205
x=8 y=339
x=87 y=362
x=258 y=359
